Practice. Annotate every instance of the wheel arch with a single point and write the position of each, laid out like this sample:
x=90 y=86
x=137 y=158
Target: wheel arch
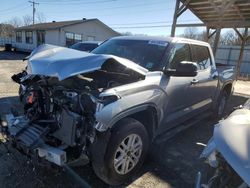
x=146 y=114
x=228 y=87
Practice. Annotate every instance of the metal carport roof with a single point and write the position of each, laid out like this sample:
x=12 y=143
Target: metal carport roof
x=223 y=13
x=217 y=14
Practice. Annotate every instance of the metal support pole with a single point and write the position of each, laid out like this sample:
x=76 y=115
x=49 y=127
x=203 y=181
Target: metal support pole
x=243 y=42
x=216 y=40
x=177 y=5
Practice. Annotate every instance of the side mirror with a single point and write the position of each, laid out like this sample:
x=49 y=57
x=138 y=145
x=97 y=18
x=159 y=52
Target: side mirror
x=184 y=69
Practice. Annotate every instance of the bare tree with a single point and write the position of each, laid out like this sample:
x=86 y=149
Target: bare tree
x=27 y=20
x=15 y=21
x=238 y=40
x=194 y=33
x=229 y=38
x=127 y=33
x=232 y=38
x=6 y=30
x=40 y=17
x=191 y=33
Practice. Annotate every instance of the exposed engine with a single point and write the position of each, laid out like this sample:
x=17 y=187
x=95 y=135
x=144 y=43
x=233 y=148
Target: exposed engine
x=57 y=114
x=61 y=94
x=61 y=114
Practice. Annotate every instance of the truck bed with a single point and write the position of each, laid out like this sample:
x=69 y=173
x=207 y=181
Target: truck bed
x=226 y=71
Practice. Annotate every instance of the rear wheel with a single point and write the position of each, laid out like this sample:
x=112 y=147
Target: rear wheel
x=125 y=152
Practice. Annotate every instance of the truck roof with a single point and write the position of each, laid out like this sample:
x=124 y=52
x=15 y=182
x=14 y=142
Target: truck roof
x=167 y=39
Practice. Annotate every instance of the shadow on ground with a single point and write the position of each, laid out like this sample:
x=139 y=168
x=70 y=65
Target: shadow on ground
x=8 y=104
x=174 y=162
x=9 y=55
x=178 y=158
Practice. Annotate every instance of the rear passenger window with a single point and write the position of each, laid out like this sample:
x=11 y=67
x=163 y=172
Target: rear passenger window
x=181 y=52
x=201 y=56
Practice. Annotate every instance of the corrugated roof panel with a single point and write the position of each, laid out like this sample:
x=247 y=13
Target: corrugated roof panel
x=223 y=13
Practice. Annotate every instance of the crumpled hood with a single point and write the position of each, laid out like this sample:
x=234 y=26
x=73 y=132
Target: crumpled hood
x=232 y=139
x=60 y=62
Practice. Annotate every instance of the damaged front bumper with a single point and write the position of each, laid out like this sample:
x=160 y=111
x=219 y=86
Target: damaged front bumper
x=27 y=138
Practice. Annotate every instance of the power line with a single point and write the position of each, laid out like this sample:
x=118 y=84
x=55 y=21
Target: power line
x=12 y=8
x=157 y=22
x=75 y=2
x=138 y=23
x=34 y=9
x=20 y=9
x=111 y=8
x=146 y=26
x=116 y=7
x=112 y=14
x=67 y=0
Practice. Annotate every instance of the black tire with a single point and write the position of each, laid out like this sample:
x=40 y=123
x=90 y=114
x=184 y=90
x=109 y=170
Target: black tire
x=221 y=105
x=104 y=166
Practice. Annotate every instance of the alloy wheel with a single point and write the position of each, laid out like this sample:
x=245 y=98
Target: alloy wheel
x=128 y=154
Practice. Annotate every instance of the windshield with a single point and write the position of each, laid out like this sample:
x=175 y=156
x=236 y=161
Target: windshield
x=146 y=53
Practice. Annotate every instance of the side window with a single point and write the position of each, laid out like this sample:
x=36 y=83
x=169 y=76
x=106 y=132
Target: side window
x=19 y=36
x=29 y=37
x=201 y=56
x=180 y=52
x=69 y=39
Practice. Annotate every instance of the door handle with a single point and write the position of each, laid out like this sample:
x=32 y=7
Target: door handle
x=194 y=81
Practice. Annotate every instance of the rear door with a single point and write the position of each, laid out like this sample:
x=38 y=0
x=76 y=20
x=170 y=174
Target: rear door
x=205 y=83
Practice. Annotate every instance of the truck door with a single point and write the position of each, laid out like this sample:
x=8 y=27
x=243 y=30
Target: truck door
x=179 y=101
x=204 y=85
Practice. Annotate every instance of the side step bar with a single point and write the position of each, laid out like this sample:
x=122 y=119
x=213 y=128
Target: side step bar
x=172 y=132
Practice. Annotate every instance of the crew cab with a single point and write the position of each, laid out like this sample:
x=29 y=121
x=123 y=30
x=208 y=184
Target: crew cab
x=108 y=106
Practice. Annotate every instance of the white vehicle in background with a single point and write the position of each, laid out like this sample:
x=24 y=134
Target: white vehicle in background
x=228 y=151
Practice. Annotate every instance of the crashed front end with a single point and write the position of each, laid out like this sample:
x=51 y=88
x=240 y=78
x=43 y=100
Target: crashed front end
x=228 y=150
x=61 y=93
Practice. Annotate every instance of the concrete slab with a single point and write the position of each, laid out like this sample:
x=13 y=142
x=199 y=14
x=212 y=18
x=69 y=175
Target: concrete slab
x=242 y=87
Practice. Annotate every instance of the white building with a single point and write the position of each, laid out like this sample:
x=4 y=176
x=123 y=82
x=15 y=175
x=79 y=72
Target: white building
x=63 y=33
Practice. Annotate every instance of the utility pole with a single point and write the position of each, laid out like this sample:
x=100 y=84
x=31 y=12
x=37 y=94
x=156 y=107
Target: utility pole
x=34 y=9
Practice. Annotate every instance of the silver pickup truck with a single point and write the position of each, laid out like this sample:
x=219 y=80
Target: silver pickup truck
x=109 y=105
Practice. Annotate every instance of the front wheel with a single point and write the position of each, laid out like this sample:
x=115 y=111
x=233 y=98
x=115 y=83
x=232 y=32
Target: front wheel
x=125 y=152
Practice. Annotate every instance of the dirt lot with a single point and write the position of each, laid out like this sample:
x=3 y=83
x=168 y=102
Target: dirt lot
x=173 y=163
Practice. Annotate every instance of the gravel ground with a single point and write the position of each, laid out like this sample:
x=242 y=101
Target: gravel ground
x=173 y=163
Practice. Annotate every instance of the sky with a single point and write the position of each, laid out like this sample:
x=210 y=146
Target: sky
x=151 y=17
